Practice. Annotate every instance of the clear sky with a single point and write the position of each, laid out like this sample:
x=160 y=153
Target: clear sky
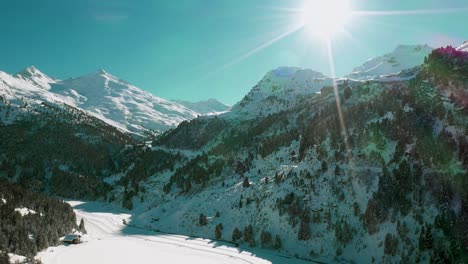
x=198 y=49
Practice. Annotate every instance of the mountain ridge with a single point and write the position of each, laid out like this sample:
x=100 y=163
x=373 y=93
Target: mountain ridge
x=209 y=106
x=403 y=57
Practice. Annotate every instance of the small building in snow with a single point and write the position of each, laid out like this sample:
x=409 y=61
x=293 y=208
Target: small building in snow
x=72 y=239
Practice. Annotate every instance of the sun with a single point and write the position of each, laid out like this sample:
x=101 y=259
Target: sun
x=325 y=18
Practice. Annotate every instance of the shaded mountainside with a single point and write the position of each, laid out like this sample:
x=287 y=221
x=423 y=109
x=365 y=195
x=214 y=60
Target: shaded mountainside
x=58 y=149
x=399 y=193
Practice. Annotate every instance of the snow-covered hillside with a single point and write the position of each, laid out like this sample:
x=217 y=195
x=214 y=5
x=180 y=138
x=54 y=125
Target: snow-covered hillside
x=34 y=76
x=125 y=104
x=280 y=89
x=289 y=178
x=210 y=106
x=404 y=57
x=104 y=96
x=20 y=91
x=109 y=240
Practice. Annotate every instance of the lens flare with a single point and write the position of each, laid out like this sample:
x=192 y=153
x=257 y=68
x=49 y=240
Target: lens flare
x=326 y=18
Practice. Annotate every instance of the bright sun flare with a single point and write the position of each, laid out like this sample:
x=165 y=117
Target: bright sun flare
x=326 y=18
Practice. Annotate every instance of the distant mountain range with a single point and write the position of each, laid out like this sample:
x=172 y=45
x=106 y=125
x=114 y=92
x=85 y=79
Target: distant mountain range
x=108 y=98
x=210 y=106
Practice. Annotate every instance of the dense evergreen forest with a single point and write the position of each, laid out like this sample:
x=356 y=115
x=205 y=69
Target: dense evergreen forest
x=30 y=222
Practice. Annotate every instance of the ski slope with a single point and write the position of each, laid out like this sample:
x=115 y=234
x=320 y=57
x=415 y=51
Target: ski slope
x=109 y=240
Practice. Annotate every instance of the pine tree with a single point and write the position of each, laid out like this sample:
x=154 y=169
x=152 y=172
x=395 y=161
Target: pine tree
x=218 y=231
x=265 y=238
x=246 y=183
x=236 y=234
x=422 y=245
x=428 y=240
x=347 y=92
x=304 y=232
x=278 y=243
x=81 y=227
x=324 y=166
x=202 y=220
x=249 y=235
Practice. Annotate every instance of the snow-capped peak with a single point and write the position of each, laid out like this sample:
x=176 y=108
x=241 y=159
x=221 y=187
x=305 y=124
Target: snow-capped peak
x=105 y=74
x=404 y=57
x=121 y=103
x=463 y=47
x=34 y=76
x=102 y=95
x=279 y=89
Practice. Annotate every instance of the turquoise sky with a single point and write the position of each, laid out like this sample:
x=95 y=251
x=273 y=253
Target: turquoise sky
x=190 y=49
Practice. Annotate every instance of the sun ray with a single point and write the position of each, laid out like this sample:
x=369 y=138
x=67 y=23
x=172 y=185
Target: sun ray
x=409 y=12
x=257 y=49
x=331 y=63
x=354 y=180
x=286 y=9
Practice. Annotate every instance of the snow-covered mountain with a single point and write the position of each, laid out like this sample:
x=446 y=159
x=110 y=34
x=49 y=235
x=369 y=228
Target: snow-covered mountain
x=384 y=192
x=404 y=57
x=24 y=89
x=204 y=107
x=104 y=96
x=129 y=107
x=279 y=89
x=463 y=47
x=34 y=76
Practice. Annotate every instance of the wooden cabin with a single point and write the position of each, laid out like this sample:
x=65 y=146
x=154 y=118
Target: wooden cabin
x=72 y=239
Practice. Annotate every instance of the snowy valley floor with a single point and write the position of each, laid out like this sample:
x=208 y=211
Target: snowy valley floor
x=109 y=240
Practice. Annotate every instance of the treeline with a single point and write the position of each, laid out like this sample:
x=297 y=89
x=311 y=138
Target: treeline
x=43 y=222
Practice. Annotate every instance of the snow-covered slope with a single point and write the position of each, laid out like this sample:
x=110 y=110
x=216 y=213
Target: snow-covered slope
x=209 y=106
x=104 y=96
x=36 y=77
x=14 y=88
x=404 y=57
x=121 y=102
x=109 y=240
x=463 y=47
x=279 y=90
